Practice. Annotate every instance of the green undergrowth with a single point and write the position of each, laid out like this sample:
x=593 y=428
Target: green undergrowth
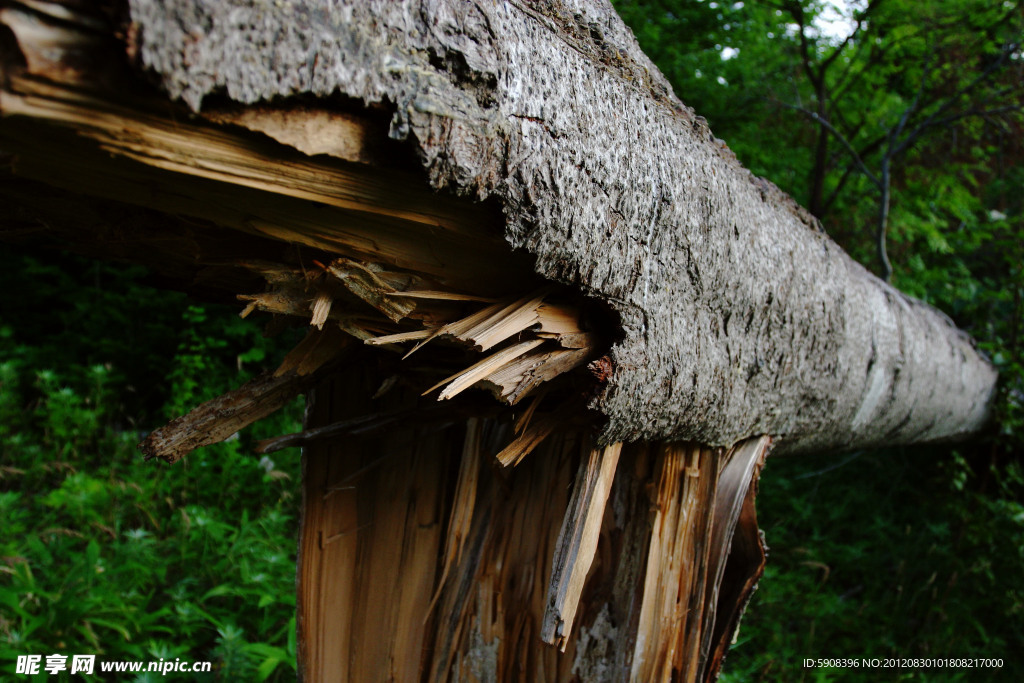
x=103 y=553
x=888 y=554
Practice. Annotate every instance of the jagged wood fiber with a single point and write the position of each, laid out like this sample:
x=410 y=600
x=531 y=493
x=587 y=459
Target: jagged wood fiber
x=413 y=541
x=392 y=254
x=736 y=309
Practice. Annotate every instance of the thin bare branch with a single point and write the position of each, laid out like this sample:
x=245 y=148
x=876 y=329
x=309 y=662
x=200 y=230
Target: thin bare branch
x=839 y=136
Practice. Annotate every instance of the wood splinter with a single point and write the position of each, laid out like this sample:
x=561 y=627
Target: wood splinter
x=219 y=418
x=577 y=542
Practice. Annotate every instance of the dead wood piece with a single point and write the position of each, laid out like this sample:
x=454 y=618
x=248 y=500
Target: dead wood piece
x=533 y=435
x=442 y=296
x=217 y=419
x=524 y=420
x=577 y=542
x=503 y=323
x=559 y=319
x=309 y=130
x=316 y=349
x=464 y=379
x=276 y=273
x=49 y=49
x=304 y=438
x=368 y=285
x=514 y=381
x=581 y=340
x=223 y=416
x=738 y=554
x=461 y=518
x=456 y=328
x=280 y=303
x=671 y=614
x=414 y=335
x=321 y=309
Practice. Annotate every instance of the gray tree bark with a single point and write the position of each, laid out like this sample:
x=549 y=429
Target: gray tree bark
x=738 y=315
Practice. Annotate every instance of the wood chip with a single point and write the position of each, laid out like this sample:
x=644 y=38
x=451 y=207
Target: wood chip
x=461 y=381
x=514 y=381
x=321 y=309
x=399 y=337
x=278 y=302
x=457 y=326
x=503 y=323
x=534 y=435
x=442 y=296
x=559 y=318
x=361 y=280
x=524 y=420
x=316 y=349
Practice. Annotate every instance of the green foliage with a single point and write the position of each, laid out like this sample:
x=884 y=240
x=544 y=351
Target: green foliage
x=103 y=553
x=78 y=314
x=888 y=554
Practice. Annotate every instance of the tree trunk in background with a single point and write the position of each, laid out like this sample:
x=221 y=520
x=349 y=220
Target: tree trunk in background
x=738 y=316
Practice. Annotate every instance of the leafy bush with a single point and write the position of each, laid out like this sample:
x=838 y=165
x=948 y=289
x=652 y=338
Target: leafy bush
x=103 y=553
x=886 y=554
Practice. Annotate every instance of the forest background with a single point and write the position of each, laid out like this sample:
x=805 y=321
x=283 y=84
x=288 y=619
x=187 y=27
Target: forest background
x=898 y=123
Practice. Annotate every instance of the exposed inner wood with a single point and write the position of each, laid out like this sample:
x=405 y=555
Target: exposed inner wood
x=577 y=542
x=699 y=504
x=741 y=553
x=517 y=553
x=676 y=561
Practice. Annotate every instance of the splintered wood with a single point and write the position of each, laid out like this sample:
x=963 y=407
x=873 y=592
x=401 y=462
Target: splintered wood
x=700 y=495
x=539 y=340
x=577 y=542
x=219 y=418
x=529 y=341
x=387 y=261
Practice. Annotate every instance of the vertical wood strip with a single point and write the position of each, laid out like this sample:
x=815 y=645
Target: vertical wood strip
x=370 y=539
x=577 y=542
x=670 y=614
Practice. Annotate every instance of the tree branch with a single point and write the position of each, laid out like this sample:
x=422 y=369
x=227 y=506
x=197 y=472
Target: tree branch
x=840 y=137
x=932 y=120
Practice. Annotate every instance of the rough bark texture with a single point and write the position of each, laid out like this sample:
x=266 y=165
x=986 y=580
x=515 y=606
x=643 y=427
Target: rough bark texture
x=736 y=309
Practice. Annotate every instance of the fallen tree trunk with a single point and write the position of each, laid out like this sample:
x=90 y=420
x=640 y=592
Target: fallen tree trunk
x=645 y=313
x=734 y=306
